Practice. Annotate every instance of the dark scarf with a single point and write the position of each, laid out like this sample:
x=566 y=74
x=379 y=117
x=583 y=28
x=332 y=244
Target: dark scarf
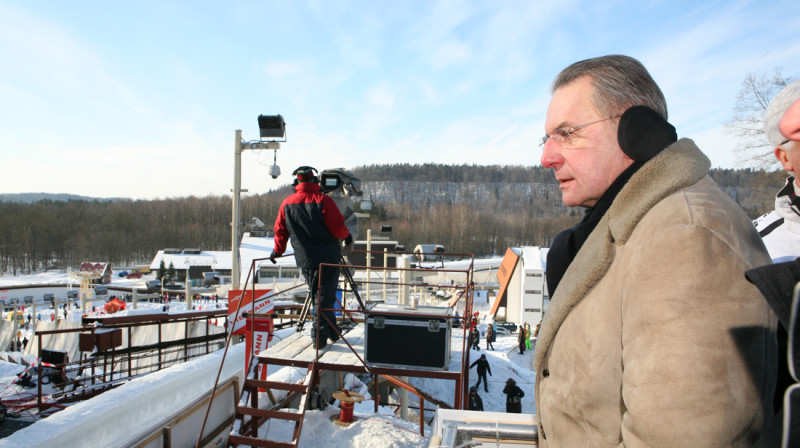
x=567 y=243
x=788 y=192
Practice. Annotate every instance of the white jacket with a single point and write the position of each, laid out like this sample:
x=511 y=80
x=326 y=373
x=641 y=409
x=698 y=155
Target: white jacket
x=780 y=228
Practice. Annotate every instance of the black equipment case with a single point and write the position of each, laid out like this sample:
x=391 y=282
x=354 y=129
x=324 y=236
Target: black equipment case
x=418 y=338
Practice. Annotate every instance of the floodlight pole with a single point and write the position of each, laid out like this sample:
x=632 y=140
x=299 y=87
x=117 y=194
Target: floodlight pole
x=238 y=147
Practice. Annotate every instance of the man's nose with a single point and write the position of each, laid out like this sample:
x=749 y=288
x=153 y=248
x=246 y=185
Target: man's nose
x=551 y=154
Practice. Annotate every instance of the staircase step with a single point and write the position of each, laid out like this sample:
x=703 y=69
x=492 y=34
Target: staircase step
x=267 y=413
x=261 y=384
x=261 y=443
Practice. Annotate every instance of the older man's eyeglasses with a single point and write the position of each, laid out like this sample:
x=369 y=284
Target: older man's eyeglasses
x=564 y=136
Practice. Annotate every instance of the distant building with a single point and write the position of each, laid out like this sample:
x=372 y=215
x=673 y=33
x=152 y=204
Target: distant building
x=523 y=290
x=194 y=261
x=103 y=270
x=254 y=248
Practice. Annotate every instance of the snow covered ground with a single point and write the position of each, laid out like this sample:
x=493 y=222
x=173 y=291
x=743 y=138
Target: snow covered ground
x=369 y=430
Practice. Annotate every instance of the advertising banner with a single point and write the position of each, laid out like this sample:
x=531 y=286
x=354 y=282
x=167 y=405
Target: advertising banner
x=262 y=330
x=264 y=305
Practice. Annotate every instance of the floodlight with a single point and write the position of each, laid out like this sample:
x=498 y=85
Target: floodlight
x=271 y=126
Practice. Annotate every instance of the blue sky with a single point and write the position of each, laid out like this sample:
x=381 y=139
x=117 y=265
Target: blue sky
x=141 y=99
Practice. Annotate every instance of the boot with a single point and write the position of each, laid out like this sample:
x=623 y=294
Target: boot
x=333 y=335
x=323 y=338
x=320 y=343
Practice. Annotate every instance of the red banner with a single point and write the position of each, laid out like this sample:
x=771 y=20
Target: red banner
x=263 y=305
x=262 y=333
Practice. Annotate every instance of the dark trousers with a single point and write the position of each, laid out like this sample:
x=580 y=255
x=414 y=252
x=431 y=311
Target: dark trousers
x=327 y=289
x=482 y=376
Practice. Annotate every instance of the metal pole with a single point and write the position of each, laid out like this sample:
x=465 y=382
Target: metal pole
x=375 y=382
x=403 y=278
x=404 y=400
x=129 y=351
x=369 y=262
x=39 y=371
x=385 y=272
x=237 y=186
x=189 y=293
x=422 y=416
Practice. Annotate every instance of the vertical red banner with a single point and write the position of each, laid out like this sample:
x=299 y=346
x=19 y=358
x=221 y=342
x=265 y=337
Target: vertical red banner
x=261 y=335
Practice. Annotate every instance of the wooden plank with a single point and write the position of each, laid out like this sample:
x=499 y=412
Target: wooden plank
x=286 y=344
x=283 y=349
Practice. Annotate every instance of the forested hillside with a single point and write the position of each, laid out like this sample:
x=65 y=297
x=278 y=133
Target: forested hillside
x=470 y=209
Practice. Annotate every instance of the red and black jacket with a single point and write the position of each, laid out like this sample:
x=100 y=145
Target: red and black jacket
x=314 y=223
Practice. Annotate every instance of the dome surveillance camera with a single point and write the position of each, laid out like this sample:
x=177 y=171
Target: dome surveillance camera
x=274 y=171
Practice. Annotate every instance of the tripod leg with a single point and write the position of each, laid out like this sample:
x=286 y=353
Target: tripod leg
x=304 y=312
x=349 y=278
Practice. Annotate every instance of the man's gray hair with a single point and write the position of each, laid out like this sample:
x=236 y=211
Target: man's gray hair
x=619 y=82
x=777 y=108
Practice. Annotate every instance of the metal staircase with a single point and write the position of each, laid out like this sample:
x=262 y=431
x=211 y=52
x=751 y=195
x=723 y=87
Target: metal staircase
x=250 y=417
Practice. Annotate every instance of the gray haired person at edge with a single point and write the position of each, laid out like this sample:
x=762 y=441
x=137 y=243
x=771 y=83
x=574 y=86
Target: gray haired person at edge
x=780 y=228
x=653 y=337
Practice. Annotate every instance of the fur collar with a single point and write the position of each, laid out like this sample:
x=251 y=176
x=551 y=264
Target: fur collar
x=678 y=166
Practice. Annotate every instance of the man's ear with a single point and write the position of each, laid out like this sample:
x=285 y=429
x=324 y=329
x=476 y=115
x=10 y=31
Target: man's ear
x=643 y=133
x=782 y=157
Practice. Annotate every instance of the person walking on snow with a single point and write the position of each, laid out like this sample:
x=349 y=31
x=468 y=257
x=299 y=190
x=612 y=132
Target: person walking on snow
x=527 y=336
x=474 y=402
x=490 y=337
x=476 y=337
x=483 y=367
x=521 y=339
x=513 y=397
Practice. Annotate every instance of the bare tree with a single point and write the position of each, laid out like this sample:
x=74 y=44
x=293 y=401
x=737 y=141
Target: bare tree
x=747 y=121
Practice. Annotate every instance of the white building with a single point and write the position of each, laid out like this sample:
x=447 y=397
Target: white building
x=254 y=248
x=523 y=290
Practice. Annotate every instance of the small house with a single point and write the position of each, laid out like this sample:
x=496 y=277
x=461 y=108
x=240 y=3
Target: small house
x=102 y=270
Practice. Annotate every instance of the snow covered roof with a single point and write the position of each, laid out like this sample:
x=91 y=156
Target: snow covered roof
x=534 y=257
x=250 y=248
x=218 y=260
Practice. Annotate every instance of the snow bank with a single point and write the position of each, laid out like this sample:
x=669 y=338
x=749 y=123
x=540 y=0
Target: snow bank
x=119 y=414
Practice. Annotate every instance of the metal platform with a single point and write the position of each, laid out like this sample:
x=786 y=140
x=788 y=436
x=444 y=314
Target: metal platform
x=347 y=355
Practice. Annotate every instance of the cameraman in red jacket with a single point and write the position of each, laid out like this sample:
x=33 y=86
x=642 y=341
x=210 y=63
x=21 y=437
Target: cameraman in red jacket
x=316 y=226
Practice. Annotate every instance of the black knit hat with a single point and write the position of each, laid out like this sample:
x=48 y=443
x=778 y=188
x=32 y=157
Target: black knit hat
x=305 y=174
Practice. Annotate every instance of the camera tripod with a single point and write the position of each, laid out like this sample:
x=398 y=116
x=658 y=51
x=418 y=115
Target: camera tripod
x=348 y=277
